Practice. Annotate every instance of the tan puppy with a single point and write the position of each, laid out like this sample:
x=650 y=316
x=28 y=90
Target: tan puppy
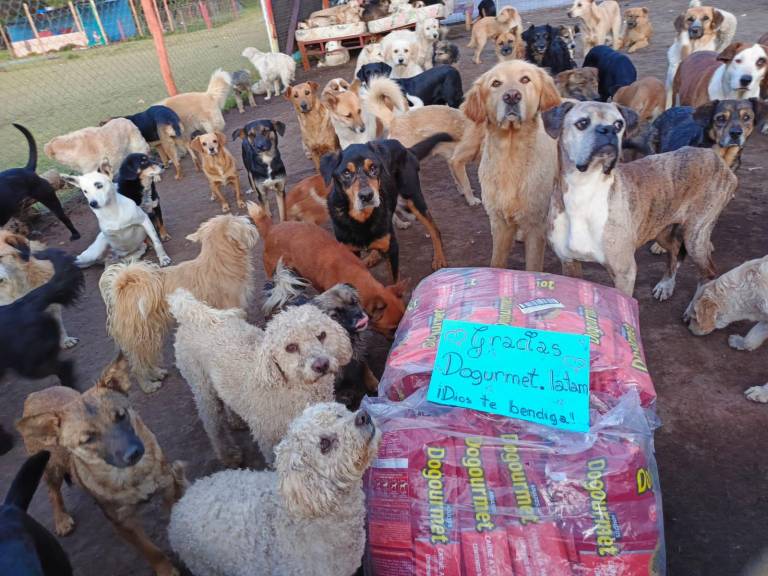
x=508 y=45
x=638 y=29
x=645 y=96
x=347 y=119
x=579 y=83
x=490 y=27
x=308 y=201
x=317 y=132
x=602 y=211
x=218 y=166
x=599 y=21
x=100 y=443
x=519 y=160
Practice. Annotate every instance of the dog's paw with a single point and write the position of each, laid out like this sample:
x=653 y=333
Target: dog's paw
x=657 y=249
x=64 y=524
x=664 y=289
x=438 y=263
x=225 y=208
x=241 y=205
x=474 y=201
x=165 y=237
x=402 y=224
x=159 y=373
x=739 y=343
x=68 y=342
x=74 y=236
x=757 y=394
x=165 y=261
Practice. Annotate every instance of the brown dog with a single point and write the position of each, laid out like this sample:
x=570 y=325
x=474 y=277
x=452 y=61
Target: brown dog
x=508 y=46
x=645 y=96
x=579 y=83
x=99 y=442
x=508 y=19
x=218 y=166
x=317 y=132
x=638 y=29
x=308 y=201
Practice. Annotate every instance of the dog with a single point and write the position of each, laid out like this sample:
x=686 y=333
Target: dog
x=545 y=47
x=241 y=86
x=579 y=84
x=599 y=20
x=614 y=70
x=638 y=29
x=735 y=74
x=568 y=34
x=438 y=85
x=134 y=294
x=21 y=271
x=307 y=201
x=276 y=69
x=335 y=55
x=19 y=184
x=401 y=51
x=427 y=34
x=444 y=52
x=123 y=225
x=160 y=127
x=375 y=9
x=369 y=54
x=506 y=20
x=136 y=180
x=262 y=160
x=26 y=546
x=645 y=96
x=218 y=166
x=348 y=13
x=486 y=8
x=336 y=86
x=601 y=211
x=314 y=495
x=518 y=162
x=347 y=116
x=98 y=441
x=6 y=441
x=508 y=46
x=317 y=133
x=84 y=150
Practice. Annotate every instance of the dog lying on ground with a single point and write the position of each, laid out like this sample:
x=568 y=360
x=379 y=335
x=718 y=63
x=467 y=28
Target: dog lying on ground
x=134 y=294
x=507 y=46
x=136 y=180
x=161 y=127
x=26 y=546
x=507 y=19
x=578 y=84
x=98 y=441
x=317 y=133
x=19 y=184
x=266 y=377
x=444 y=53
x=307 y=201
x=315 y=496
x=545 y=47
x=84 y=150
x=601 y=211
x=614 y=70
x=638 y=29
x=438 y=85
x=219 y=167
x=277 y=70
x=241 y=86
x=645 y=96
x=262 y=160
x=335 y=55
x=348 y=13
x=369 y=54
x=599 y=20
x=347 y=117
x=400 y=50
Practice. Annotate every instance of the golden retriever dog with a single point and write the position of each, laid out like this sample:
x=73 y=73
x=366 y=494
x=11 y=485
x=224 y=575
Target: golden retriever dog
x=401 y=50
x=135 y=293
x=638 y=29
x=599 y=21
x=519 y=159
x=98 y=442
x=84 y=150
x=218 y=166
x=427 y=34
x=490 y=27
x=317 y=133
x=645 y=96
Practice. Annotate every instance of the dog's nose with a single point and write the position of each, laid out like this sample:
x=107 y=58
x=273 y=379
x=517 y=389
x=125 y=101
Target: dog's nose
x=361 y=129
x=93 y=204
x=745 y=80
x=304 y=107
x=736 y=133
x=365 y=196
x=362 y=418
x=605 y=129
x=512 y=97
x=133 y=454
x=321 y=365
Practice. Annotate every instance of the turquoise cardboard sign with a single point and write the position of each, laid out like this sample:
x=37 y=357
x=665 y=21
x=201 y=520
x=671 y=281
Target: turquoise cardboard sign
x=533 y=375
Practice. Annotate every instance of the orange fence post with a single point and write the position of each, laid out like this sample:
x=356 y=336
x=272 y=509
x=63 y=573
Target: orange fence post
x=204 y=14
x=156 y=30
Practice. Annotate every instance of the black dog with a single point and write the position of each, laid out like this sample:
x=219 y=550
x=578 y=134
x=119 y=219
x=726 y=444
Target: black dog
x=136 y=180
x=486 y=8
x=438 y=85
x=16 y=184
x=374 y=9
x=26 y=547
x=544 y=47
x=262 y=160
x=366 y=182
x=614 y=70
x=6 y=441
x=29 y=335
x=153 y=119
x=444 y=52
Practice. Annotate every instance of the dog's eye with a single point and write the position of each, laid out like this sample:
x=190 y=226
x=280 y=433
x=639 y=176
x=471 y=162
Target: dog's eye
x=321 y=336
x=87 y=438
x=525 y=80
x=346 y=174
x=306 y=93
x=120 y=415
x=705 y=18
x=761 y=61
x=721 y=118
x=292 y=348
x=582 y=124
x=99 y=185
x=690 y=19
x=496 y=83
x=325 y=445
x=747 y=117
x=373 y=171
x=738 y=60
x=618 y=125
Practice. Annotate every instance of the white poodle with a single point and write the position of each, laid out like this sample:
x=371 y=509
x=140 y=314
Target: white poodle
x=274 y=69
x=266 y=377
x=305 y=519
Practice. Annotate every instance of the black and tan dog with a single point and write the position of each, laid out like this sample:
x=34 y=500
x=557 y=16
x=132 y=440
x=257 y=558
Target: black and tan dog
x=136 y=180
x=367 y=180
x=545 y=47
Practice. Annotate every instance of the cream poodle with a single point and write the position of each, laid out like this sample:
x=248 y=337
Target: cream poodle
x=305 y=519
x=266 y=377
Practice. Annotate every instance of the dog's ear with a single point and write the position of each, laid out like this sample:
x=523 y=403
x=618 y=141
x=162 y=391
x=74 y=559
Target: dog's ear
x=679 y=23
x=105 y=168
x=549 y=97
x=71 y=179
x=116 y=376
x=221 y=138
x=631 y=118
x=400 y=288
x=730 y=51
x=305 y=491
x=238 y=133
x=288 y=92
x=553 y=119
x=705 y=313
x=355 y=87
x=20 y=243
x=328 y=164
x=314 y=85
x=717 y=19
x=329 y=100
x=645 y=10
x=761 y=115
x=43 y=428
x=196 y=145
x=474 y=103
x=279 y=127
x=528 y=34
x=702 y=115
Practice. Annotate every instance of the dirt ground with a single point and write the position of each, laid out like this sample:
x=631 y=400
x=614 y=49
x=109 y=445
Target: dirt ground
x=712 y=473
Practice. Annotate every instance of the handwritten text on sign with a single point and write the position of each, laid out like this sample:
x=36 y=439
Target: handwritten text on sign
x=534 y=375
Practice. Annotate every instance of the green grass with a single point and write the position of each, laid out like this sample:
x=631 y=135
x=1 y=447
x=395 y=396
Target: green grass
x=58 y=93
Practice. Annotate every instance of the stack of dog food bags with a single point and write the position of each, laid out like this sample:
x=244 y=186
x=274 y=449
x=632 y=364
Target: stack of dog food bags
x=457 y=492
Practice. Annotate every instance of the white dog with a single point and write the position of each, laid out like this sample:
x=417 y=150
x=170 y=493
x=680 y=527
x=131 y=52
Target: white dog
x=335 y=55
x=401 y=51
x=305 y=519
x=267 y=377
x=427 y=33
x=123 y=225
x=369 y=54
x=274 y=69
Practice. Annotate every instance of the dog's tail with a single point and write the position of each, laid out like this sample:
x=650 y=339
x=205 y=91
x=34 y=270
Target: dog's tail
x=286 y=288
x=27 y=479
x=32 y=161
x=219 y=86
x=63 y=288
x=189 y=310
x=385 y=100
x=261 y=218
x=173 y=123
x=422 y=149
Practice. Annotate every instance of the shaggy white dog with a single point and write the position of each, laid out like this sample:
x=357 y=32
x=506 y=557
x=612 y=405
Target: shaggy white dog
x=369 y=54
x=401 y=51
x=335 y=55
x=267 y=377
x=305 y=519
x=274 y=69
x=427 y=33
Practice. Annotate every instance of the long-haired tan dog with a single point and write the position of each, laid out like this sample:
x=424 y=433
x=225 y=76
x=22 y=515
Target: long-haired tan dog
x=317 y=132
x=84 y=150
x=218 y=166
x=135 y=294
x=599 y=21
x=489 y=27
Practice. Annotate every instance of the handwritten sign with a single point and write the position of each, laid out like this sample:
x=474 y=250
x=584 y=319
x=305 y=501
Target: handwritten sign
x=533 y=375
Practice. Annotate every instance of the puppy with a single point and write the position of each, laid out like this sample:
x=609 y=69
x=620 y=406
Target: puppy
x=427 y=35
x=218 y=166
x=317 y=133
x=98 y=441
x=84 y=150
x=579 y=84
x=134 y=294
x=369 y=54
x=614 y=70
x=136 y=180
x=601 y=211
x=598 y=20
x=335 y=55
x=638 y=29
x=486 y=8
x=544 y=47
x=123 y=225
x=444 y=53
x=17 y=185
x=262 y=160
x=645 y=96
x=307 y=201
x=315 y=496
x=241 y=86
x=506 y=20
x=439 y=85
x=274 y=68
x=507 y=46
x=347 y=117
x=401 y=52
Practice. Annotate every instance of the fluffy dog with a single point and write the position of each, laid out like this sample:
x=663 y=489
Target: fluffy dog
x=307 y=201
x=401 y=50
x=241 y=86
x=218 y=166
x=369 y=54
x=638 y=29
x=314 y=496
x=317 y=133
x=427 y=34
x=84 y=150
x=19 y=184
x=545 y=47
x=98 y=441
x=506 y=20
x=579 y=84
x=599 y=20
x=444 y=53
x=438 y=85
x=347 y=117
x=160 y=126
x=134 y=294
x=645 y=96
x=275 y=69
x=614 y=70
x=136 y=180
x=335 y=55
x=267 y=377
